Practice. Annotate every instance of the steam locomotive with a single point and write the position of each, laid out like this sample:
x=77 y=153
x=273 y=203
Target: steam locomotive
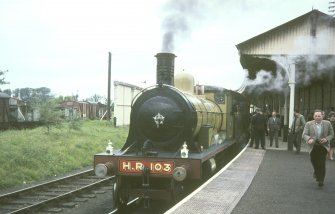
x=176 y=135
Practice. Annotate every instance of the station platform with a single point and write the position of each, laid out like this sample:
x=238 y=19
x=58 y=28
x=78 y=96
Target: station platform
x=274 y=180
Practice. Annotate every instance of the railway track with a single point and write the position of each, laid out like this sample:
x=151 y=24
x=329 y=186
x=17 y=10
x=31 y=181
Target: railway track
x=46 y=197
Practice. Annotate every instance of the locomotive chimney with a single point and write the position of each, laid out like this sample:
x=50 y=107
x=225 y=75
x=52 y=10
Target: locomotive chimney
x=165 y=68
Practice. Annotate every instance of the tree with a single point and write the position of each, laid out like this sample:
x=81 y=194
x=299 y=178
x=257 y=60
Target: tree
x=74 y=122
x=62 y=98
x=2 y=79
x=24 y=93
x=50 y=115
x=41 y=94
x=8 y=91
x=33 y=96
x=95 y=98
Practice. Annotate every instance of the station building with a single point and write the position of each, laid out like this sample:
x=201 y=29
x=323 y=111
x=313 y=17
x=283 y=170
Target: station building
x=124 y=93
x=292 y=66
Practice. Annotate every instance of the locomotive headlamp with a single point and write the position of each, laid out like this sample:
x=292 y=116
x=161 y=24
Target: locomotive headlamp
x=110 y=148
x=179 y=173
x=101 y=170
x=184 y=151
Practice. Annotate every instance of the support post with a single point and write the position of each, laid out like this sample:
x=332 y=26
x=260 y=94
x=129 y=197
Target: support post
x=291 y=83
x=285 y=127
x=109 y=87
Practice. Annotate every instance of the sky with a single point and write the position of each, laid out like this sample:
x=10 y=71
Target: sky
x=64 y=44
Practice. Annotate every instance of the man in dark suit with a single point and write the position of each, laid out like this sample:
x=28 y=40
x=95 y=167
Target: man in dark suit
x=273 y=128
x=251 y=130
x=258 y=122
x=318 y=133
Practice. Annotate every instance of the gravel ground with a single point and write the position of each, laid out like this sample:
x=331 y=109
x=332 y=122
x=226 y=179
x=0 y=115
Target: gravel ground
x=100 y=204
x=7 y=190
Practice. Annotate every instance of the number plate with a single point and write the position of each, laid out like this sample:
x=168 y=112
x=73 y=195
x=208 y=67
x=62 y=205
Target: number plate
x=156 y=167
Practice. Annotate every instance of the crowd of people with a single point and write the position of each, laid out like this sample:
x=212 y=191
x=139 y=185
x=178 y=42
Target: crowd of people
x=317 y=133
x=261 y=125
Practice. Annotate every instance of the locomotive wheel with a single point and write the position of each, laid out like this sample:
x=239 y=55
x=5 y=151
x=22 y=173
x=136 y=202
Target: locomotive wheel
x=176 y=191
x=120 y=194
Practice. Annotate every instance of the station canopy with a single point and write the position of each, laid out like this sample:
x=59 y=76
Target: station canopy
x=306 y=42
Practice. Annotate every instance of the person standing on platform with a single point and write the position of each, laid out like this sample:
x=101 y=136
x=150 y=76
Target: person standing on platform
x=318 y=133
x=296 y=130
x=273 y=128
x=331 y=118
x=259 y=124
x=251 y=129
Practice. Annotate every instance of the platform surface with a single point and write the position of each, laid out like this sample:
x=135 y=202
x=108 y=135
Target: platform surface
x=264 y=181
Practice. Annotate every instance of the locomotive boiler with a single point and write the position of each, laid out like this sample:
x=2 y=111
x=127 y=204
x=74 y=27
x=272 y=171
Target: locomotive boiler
x=177 y=134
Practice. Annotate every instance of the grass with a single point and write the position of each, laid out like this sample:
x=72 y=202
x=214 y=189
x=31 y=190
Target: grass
x=33 y=154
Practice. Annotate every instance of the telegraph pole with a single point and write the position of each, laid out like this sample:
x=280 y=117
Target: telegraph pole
x=331 y=8
x=109 y=87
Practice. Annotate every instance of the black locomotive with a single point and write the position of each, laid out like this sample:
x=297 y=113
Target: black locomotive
x=176 y=135
x=163 y=118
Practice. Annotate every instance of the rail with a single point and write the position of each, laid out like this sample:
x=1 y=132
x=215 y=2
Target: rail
x=29 y=200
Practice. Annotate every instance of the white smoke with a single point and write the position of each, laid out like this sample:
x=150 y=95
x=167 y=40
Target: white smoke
x=267 y=81
x=315 y=60
x=180 y=14
x=311 y=68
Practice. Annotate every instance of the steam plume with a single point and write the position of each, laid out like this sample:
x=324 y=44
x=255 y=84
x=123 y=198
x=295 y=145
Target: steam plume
x=315 y=65
x=266 y=81
x=177 y=22
x=313 y=61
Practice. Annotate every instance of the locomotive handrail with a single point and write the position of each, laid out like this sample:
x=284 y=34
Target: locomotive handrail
x=139 y=93
x=126 y=149
x=155 y=86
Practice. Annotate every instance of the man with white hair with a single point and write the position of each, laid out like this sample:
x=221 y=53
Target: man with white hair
x=318 y=133
x=273 y=128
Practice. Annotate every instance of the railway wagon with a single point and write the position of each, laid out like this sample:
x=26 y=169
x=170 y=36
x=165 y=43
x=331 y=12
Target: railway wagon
x=4 y=110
